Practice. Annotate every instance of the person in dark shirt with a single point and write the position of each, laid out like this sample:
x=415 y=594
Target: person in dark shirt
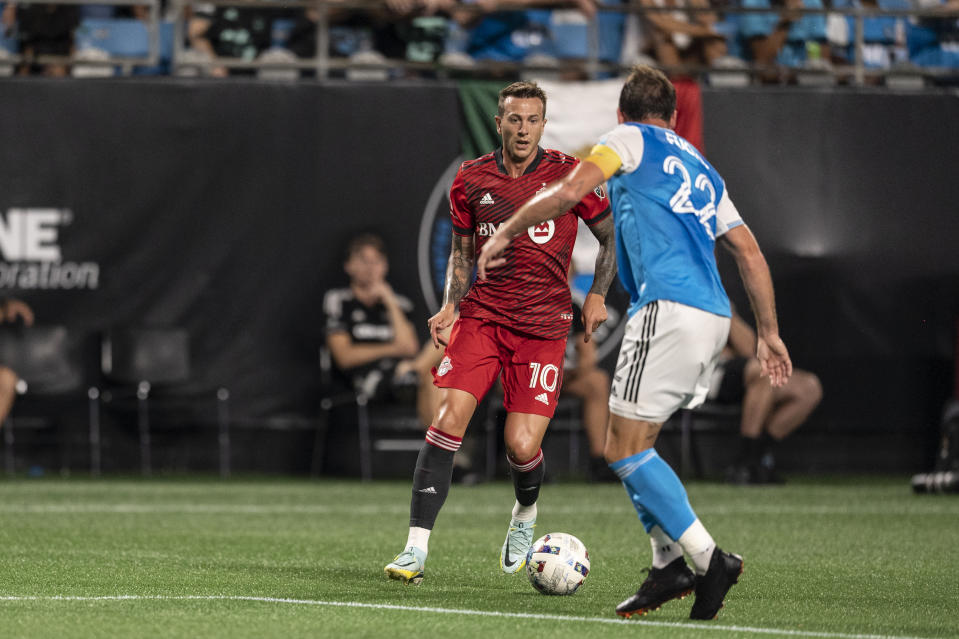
x=44 y=30
x=367 y=327
x=230 y=32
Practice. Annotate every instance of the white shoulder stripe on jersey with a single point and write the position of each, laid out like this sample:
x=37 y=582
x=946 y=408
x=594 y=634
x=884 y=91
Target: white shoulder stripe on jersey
x=627 y=142
x=727 y=216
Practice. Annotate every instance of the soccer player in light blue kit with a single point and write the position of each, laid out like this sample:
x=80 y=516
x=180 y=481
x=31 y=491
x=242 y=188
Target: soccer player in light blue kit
x=670 y=207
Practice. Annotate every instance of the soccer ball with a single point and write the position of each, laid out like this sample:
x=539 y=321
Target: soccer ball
x=557 y=564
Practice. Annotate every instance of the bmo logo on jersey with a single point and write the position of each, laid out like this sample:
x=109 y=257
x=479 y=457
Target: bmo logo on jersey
x=486 y=229
x=542 y=233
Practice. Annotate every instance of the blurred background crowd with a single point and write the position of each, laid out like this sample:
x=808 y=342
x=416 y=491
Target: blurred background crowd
x=733 y=42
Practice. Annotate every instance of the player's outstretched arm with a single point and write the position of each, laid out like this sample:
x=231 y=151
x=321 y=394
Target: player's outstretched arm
x=558 y=197
x=459 y=270
x=594 y=309
x=770 y=349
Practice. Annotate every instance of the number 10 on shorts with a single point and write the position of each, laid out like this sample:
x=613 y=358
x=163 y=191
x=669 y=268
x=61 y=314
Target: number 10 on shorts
x=546 y=376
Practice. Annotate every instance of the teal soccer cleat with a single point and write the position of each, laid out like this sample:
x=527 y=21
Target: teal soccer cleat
x=407 y=566
x=519 y=538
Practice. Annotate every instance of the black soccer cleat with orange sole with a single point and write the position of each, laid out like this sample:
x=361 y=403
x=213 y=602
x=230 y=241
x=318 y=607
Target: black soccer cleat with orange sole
x=673 y=581
x=711 y=588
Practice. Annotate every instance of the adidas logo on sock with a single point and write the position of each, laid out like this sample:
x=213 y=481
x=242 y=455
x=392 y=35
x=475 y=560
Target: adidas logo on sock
x=428 y=491
x=487 y=199
x=542 y=398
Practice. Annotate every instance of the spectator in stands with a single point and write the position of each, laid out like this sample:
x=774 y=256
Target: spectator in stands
x=44 y=30
x=510 y=36
x=783 y=42
x=884 y=37
x=230 y=32
x=11 y=311
x=583 y=378
x=934 y=42
x=769 y=414
x=413 y=30
x=677 y=39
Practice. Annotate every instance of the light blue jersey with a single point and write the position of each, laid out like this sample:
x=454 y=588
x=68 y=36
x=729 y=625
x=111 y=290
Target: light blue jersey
x=669 y=206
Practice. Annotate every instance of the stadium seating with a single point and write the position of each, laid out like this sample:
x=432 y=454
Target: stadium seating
x=137 y=360
x=126 y=38
x=708 y=417
x=120 y=37
x=383 y=429
x=569 y=31
x=882 y=35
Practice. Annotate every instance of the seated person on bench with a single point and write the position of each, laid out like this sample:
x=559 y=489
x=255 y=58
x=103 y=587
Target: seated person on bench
x=769 y=414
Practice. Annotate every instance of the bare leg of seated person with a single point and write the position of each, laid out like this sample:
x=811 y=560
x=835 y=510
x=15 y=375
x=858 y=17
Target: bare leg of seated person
x=769 y=415
x=592 y=387
x=8 y=392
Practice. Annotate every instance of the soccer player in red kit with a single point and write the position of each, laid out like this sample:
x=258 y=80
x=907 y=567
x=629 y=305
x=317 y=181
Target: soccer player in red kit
x=514 y=322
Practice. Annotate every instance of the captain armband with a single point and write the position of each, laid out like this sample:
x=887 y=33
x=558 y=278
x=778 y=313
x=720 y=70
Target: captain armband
x=606 y=159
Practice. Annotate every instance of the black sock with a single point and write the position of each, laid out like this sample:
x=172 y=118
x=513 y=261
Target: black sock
x=432 y=478
x=767 y=446
x=527 y=478
x=750 y=451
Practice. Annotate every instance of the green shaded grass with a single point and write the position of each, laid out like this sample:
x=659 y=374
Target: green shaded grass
x=846 y=556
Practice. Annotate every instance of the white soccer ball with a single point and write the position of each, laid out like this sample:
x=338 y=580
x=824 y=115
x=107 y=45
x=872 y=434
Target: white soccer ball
x=557 y=564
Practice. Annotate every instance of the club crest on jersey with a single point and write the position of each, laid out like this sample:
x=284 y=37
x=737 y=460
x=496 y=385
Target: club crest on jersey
x=542 y=233
x=445 y=366
x=600 y=192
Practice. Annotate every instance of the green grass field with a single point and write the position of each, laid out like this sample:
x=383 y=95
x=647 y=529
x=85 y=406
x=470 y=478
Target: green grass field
x=287 y=558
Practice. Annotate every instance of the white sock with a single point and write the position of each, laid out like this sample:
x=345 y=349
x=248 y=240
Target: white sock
x=699 y=545
x=419 y=538
x=524 y=513
x=665 y=549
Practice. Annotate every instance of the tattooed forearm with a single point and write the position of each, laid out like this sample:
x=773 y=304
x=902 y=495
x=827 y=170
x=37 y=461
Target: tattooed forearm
x=459 y=269
x=605 y=269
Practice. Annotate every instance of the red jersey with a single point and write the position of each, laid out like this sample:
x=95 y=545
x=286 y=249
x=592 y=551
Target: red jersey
x=530 y=292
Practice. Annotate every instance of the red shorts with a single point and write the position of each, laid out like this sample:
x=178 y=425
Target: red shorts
x=532 y=366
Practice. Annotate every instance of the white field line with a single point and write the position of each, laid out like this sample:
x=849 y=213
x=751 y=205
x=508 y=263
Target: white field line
x=99 y=508
x=459 y=611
